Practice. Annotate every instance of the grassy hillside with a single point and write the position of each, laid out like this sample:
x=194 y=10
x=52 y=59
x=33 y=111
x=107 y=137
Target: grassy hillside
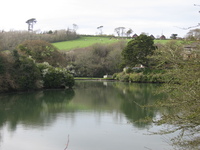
x=83 y=42
x=88 y=41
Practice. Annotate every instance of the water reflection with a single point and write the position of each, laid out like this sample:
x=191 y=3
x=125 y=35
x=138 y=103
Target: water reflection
x=34 y=108
x=113 y=105
x=29 y=108
x=120 y=97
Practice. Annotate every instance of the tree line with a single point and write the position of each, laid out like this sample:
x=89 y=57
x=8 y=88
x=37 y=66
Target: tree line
x=9 y=40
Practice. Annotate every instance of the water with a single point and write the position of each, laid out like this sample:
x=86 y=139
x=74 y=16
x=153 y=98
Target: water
x=93 y=116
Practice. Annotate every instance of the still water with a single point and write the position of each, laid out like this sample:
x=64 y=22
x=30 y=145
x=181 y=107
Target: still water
x=93 y=116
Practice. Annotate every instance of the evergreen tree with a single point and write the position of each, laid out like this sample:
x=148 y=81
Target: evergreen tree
x=137 y=50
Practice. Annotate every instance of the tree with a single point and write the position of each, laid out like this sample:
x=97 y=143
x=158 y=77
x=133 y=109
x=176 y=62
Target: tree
x=174 y=36
x=117 y=30
x=30 y=23
x=42 y=51
x=137 y=50
x=120 y=31
x=75 y=27
x=129 y=32
x=100 y=30
x=183 y=100
x=193 y=34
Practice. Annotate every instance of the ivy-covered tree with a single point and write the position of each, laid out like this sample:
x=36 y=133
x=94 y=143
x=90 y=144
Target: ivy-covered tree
x=138 y=50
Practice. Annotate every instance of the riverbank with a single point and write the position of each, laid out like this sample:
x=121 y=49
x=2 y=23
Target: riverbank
x=93 y=79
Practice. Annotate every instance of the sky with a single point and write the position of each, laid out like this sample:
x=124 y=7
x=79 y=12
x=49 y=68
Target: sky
x=154 y=17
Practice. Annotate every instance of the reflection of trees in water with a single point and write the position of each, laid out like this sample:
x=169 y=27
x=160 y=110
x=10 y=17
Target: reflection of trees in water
x=97 y=95
x=119 y=97
x=40 y=108
x=134 y=97
x=27 y=107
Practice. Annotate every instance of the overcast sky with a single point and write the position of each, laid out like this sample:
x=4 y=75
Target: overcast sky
x=150 y=16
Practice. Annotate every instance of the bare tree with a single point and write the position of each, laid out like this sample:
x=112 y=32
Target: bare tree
x=30 y=23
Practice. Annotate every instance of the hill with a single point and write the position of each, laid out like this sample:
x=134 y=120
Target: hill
x=83 y=42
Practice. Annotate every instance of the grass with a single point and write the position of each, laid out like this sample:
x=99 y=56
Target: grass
x=88 y=41
x=83 y=42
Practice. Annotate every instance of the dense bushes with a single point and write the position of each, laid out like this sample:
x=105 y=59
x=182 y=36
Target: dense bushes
x=42 y=51
x=54 y=77
x=141 y=77
x=25 y=73
x=22 y=73
x=165 y=59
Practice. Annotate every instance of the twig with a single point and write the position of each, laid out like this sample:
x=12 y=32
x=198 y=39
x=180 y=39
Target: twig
x=67 y=143
x=188 y=27
x=147 y=148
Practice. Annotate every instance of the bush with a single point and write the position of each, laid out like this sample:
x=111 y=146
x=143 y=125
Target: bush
x=54 y=77
x=122 y=77
x=135 y=77
x=42 y=51
x=26 y=73
x=2 y=69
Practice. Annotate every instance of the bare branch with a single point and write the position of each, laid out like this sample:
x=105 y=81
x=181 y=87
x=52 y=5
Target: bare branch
x=67 y=143
x=188 y=27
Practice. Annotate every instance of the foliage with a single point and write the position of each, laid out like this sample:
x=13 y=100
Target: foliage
x=174 y=36
x=184 y=102
x=141 y=77
x=166 y=56
x=26 y=73
x=137 y=50
x=2 y=68
x=193 y=35
x=6 y=81
x=54 y=77
x=21 y=73
x=97 y=60
x=42 y=51
x=184 y=96
x=9 y=40
x=180 y=70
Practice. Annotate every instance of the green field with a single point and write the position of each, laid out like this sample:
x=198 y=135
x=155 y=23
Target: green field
x=83 y=42
x=88 y=41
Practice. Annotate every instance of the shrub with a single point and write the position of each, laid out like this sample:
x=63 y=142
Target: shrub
x=122 y=77
x=135 y=77
x=26 y=73
x=2 y=69
x=42 y=51
x=55 y=77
